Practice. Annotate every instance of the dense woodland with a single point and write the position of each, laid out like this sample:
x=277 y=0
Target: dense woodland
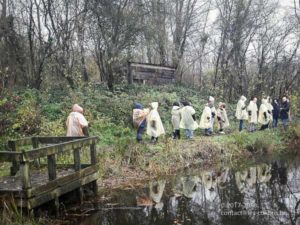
x=232 y=47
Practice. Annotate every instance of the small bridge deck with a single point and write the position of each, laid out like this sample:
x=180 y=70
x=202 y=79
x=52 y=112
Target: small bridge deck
x=37 y=176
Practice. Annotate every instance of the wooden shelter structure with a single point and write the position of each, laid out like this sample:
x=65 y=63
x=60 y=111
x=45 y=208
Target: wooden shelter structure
x=151 y=74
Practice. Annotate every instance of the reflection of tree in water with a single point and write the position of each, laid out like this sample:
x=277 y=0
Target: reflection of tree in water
x=203 y=199
x=284 y=193
x=232 y=199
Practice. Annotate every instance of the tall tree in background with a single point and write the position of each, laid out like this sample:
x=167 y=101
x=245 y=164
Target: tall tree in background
x=114 y=28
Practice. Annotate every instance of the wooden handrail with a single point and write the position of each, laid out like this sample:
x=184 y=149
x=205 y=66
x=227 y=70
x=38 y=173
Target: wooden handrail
x=7 y=156
x=22 y=159
x=57 y=148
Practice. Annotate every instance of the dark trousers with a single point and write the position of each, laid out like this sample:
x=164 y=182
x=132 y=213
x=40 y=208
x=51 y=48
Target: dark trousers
x=176 y=134
x=139 y=135
x=275 y=122
x=241 y=125
x=263 y=127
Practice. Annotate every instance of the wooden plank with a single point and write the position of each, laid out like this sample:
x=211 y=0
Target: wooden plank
x=77 y=164
x=151 y=66
x=57 y=148
x=51 y=161
x=35 y=191
x=48 y=196
x=6 y=156
x=56 y=140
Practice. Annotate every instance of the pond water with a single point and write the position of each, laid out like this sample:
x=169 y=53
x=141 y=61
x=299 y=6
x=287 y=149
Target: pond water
x=266 y=193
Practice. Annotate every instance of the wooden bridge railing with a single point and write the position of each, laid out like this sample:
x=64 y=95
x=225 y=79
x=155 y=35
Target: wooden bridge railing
x=21 y=159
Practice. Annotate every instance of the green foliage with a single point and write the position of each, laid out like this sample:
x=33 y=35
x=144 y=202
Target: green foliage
x=260 y=141
x=28 y=116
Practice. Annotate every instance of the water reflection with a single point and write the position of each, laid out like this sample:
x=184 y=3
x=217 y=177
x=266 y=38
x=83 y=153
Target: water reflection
x=261 y=194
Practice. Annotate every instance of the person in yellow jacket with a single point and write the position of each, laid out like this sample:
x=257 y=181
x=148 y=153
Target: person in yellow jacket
x=241 y=111
x=205 y=120
x=211 y=104
x=76 y=123
x=270 y=109
x=222 y=117
x=187 y=121
x=176 y=120
x=252 y=112
x=263 y=115
x=155 y=127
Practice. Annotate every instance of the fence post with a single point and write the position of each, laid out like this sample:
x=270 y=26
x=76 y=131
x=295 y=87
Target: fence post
x=94 y=160
x=15 y=164
x=77 y=167
x=77 y=163
x=51 y=161
x=35 y=144
x=25 y=173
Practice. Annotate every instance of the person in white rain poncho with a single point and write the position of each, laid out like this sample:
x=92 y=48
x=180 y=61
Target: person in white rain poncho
x=205 y=120
x=76 y=123
x=252 y=112
x=155 y=127
x=270 y=109
x=264 y=116
x=241 y=112
x=176 y=120
x=222 y=117
x=187 y=121
x=211 y=104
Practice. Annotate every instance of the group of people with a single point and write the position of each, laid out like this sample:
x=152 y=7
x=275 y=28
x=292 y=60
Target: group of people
x=268 y=114
x=183 y=117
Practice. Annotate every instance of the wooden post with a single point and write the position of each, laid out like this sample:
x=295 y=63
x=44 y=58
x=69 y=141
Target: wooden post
x=77 y=163
x=93 y=153
x=94 y=160
x=35 y=144
x=15 y=164
x=25 y=173
x=129 y=74
x=77 y=167
x=51 y=167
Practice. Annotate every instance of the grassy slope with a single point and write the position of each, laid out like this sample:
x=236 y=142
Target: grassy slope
x=121 y=158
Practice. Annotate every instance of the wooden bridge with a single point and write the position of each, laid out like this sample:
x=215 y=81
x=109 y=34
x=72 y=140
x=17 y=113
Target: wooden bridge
x=38 y=176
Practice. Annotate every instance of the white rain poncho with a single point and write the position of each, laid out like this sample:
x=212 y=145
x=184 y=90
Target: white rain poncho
x=270 y=108
x=175 y=117
x=221 y=112
x=187 y=121
x=241 y=112
x=252 y=107
x=157 y=189
x=264 y=173
x=263 y=110
x=155 y=127
x=205 y=120
x=75 y=122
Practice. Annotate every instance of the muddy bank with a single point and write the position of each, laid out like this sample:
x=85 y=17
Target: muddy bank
x=147 y=161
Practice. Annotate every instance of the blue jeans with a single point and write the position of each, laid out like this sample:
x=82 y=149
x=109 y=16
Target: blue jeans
x=212 y=125
x=139 y=133
x=189 y=133
x=241 y=125
x=285 y=123
x=275 y=122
